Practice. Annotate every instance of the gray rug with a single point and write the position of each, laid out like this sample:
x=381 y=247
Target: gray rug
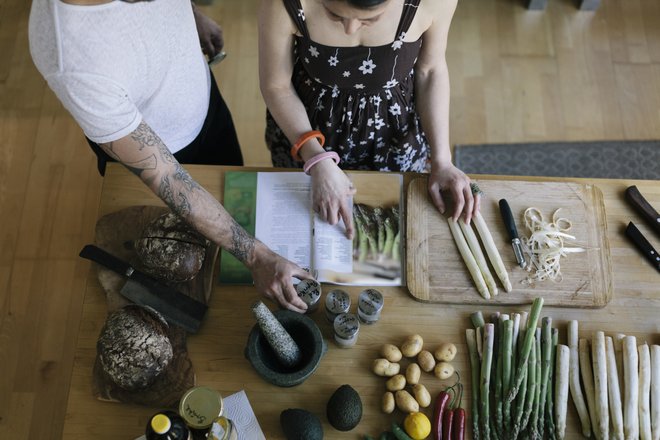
x=598 y=159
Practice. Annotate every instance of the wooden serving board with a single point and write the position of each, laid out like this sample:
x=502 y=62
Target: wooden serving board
x=115 y=233
x=436 y=272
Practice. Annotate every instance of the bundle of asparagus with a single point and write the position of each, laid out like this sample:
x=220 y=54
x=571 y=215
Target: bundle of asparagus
x=516 y=392
x=377 y=232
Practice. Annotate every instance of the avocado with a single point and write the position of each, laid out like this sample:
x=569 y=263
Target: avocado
x=300 y=424
x=344 y=409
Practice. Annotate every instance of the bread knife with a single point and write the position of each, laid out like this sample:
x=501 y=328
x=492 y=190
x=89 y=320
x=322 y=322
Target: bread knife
x=636 y=236
x=637 y=200
x=510 y=225
x=176 y=307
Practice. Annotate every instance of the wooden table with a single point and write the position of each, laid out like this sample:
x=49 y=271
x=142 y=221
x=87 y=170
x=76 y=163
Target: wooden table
x=217 y=351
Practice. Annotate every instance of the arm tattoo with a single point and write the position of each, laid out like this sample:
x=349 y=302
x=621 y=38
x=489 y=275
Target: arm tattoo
x=242 y=244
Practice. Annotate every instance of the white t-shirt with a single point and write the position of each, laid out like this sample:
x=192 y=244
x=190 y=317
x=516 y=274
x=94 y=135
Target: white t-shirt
x=117 y=64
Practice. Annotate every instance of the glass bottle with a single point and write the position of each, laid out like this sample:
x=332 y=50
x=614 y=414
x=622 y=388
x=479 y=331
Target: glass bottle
x=167 y=425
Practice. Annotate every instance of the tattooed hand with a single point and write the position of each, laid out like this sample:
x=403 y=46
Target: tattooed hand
x=273 y=277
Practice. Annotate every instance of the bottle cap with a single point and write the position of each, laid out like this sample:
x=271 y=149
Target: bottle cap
x=160 y=423
x=199 y=406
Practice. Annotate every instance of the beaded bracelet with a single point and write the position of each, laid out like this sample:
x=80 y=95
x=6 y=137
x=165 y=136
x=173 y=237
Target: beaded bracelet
x=301 y=141
x=318 y=158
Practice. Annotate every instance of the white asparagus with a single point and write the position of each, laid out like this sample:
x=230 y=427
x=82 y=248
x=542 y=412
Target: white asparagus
x=618 y=350
x=561 y=389
x=631 y=388
x=599 y=361
x=473 y=244
x=588 y=380
x=515 y=317
x=574 y=379
x=468 y=258
x=655 y=392
x=613 y=391
x=644 y=397
x=491 y=251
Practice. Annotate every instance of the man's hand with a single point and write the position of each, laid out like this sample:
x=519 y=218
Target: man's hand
x=273 y=277
x=210 y=34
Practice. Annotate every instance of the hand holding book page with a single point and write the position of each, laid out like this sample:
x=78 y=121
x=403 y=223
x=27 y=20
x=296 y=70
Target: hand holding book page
x=279 y=206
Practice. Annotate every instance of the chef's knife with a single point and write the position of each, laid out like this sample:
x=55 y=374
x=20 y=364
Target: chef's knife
x=636 y=236
x=176 y=307
x=510 y=225
x=636 y=199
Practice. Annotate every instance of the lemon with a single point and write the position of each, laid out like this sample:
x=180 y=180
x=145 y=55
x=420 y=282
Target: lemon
x=417 y=425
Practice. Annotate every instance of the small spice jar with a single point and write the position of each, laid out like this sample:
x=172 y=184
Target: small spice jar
x=370 y=304
x=336 y=301
x=310 y=292
x=223 y=429
x=200 y=406
x=347 y=327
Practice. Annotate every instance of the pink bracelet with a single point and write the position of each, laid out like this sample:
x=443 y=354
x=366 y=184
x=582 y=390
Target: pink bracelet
x=318 y=158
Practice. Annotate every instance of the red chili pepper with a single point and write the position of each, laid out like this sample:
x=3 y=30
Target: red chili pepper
x=439 y=410
x=447 y=421
x=458 y=424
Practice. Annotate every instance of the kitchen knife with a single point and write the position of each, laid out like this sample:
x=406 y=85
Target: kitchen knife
x=176 y=307
x=636 y=236
x=510 y=225
x=636 y=199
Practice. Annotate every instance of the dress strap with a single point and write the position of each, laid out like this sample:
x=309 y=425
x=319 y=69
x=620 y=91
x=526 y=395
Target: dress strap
x=407 y=16
x=295 y=10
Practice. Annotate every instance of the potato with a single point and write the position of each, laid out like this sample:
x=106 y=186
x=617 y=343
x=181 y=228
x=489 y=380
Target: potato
x=387 y=403
x=422 y=395
x=396 y=383
x=405 y=402
x=443 y=370
x=426 y=360
x=391 y=352
x=412 y=345
x=413 y=372
x=383 y=367
x=446 y=352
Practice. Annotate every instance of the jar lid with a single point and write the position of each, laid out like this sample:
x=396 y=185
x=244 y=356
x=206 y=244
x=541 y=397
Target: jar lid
x=370 y=301
x=337 y=301
x=160 y=423
x=309 y=291
x=346 y=325
x=199 y=406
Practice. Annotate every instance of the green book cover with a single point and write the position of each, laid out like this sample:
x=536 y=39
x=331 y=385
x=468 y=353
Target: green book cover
x=240 y=200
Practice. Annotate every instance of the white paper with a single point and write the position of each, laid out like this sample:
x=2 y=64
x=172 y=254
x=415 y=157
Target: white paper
x=283 y=220
x=239 y=411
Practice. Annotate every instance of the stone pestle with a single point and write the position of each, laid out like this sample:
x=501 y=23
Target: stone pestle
x=285 y=348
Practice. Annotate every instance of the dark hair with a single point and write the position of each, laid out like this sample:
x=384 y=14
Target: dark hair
x=363 y=4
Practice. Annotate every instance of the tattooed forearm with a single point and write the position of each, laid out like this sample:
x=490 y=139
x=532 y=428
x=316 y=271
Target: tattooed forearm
x=242 y=244
x=182 y=176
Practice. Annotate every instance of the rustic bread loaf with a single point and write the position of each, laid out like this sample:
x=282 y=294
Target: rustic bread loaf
x=133 y=347
x=170 y=249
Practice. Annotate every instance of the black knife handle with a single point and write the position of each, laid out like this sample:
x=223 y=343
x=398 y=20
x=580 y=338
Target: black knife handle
x=507 y=216
x=636 y=199
x=643 y=245
x=98 y=255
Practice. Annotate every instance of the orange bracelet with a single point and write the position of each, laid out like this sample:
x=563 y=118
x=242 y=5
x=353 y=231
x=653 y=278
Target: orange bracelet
x=301 y=141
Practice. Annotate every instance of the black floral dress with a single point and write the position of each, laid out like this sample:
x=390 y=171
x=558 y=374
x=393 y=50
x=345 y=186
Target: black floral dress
x=361 y=99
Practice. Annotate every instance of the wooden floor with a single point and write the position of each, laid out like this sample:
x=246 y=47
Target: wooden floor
x=516 y=75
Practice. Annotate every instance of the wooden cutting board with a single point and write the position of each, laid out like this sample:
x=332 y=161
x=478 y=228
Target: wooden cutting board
x=436 y=272
x=114 y=233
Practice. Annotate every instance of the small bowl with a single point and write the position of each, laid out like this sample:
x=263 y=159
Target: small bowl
x=304 y=332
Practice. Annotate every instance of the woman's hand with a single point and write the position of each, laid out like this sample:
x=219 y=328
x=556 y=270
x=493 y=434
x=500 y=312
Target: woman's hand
x=273 y=277
x=331 y=194
x=456 y=183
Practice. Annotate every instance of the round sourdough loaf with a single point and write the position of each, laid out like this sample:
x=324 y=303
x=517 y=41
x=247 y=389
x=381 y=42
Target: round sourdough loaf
x=133 y=347
x=170 y=249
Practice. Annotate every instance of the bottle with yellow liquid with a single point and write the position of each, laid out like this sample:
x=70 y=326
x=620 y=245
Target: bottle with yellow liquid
x=167 y=425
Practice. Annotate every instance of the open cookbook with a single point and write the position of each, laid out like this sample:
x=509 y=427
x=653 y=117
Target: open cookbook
x=276 y=207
